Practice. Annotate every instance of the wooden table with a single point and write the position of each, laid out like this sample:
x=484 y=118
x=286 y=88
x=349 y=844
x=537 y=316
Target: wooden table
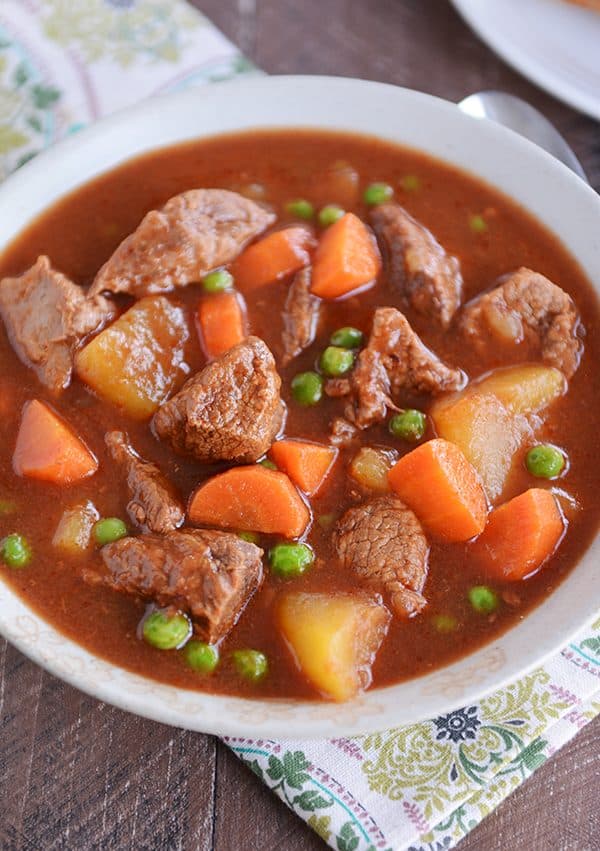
x=77 y=774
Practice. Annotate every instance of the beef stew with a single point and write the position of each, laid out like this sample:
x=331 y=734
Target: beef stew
x=274 y=427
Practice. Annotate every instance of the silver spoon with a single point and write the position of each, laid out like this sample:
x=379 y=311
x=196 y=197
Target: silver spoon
x=520 y=116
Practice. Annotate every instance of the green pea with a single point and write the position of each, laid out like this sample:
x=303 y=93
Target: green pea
x=250 y=664
x=217 y=281
x=7 y=506
x=483 y=599
x=330 y=214
x=300 y=208
x=16 y=551
x=336 y=361
x=377 y=193
x=201 y=657
x=268 y=464
x=410 y=183
x=347 y=337
x=545 y=461
x=166 y=632
x=108 y=530
x=445 y=623
x=249 y=537
x=409 y=425
x=289 y=560
x=478 y=224
x=307 y=388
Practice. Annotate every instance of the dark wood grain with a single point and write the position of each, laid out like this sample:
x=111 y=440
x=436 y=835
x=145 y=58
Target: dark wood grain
x=77 y=774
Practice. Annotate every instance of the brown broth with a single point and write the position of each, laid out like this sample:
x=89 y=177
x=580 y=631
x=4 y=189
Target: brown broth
x=80 y=232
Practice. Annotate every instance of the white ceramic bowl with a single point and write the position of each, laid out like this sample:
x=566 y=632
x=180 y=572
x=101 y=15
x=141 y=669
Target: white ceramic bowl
x=541 y=184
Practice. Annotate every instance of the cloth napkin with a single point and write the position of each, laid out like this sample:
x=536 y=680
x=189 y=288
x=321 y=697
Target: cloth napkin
x=64 y=64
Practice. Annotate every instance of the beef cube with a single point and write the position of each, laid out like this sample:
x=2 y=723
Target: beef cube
x=230 y=411
x=300 y=317
x=153 y=505
x=193 y=233
x=207 y=574
x=384 y=544
x=428 y=278
x=46 y=316
x=526 y=308
x=395 y=360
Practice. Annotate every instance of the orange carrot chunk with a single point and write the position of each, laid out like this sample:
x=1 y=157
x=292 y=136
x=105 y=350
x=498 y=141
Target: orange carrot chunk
x=48 y=450
x=520 y=535
x=443 y=490
x=346 y=258
x=221 y=323
x=279 y=254
x=307 y=464
x=251 y=499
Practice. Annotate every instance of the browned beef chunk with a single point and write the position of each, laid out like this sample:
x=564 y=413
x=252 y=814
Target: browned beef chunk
x=526 y=308
x=337 y=387
x=193 y=233
x=300 y=317
x=394 y=360
x=209 y=575
x=230 y=411
x=46 y=317
x=343 y=433
x=428 y=278
x=383 y=543
x=154 y=505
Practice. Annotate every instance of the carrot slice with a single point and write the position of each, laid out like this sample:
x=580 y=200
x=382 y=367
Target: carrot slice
x=251 y=499
x=221 y=323
x=279 y=254
x=520 y=535
x=307 y=464
x=48 y=450
x=442 y=488
x=347 y=258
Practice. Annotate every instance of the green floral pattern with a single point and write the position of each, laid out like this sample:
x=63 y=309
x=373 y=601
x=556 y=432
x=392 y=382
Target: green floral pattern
x=439 y=761
x=420 y=787
x=26 y=106
x=326 y=806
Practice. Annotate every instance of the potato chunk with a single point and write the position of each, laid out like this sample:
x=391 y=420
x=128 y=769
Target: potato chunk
x=74 y=530
x=491 y=419
x=370 y=467
x=524 y=389
x=488 y=434
x=334 y=638
x=136 y=362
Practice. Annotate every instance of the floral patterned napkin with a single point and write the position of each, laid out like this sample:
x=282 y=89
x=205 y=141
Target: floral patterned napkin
x=62 y=65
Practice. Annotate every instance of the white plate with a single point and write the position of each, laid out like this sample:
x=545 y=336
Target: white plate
x=537 y=181
x=554 y=43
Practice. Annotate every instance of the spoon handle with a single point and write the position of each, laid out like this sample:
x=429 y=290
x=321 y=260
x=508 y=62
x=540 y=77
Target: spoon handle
x=522 y=118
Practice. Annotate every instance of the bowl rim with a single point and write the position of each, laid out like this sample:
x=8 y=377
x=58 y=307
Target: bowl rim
x=344 y=105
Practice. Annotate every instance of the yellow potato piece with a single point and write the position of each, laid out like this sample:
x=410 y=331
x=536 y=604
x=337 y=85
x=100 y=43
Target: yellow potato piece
x=74 y=530
x=334 y=638
x=524 y=389
x=137 y=361
x=370 y=467
x=491 y=419
x=488 y=434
